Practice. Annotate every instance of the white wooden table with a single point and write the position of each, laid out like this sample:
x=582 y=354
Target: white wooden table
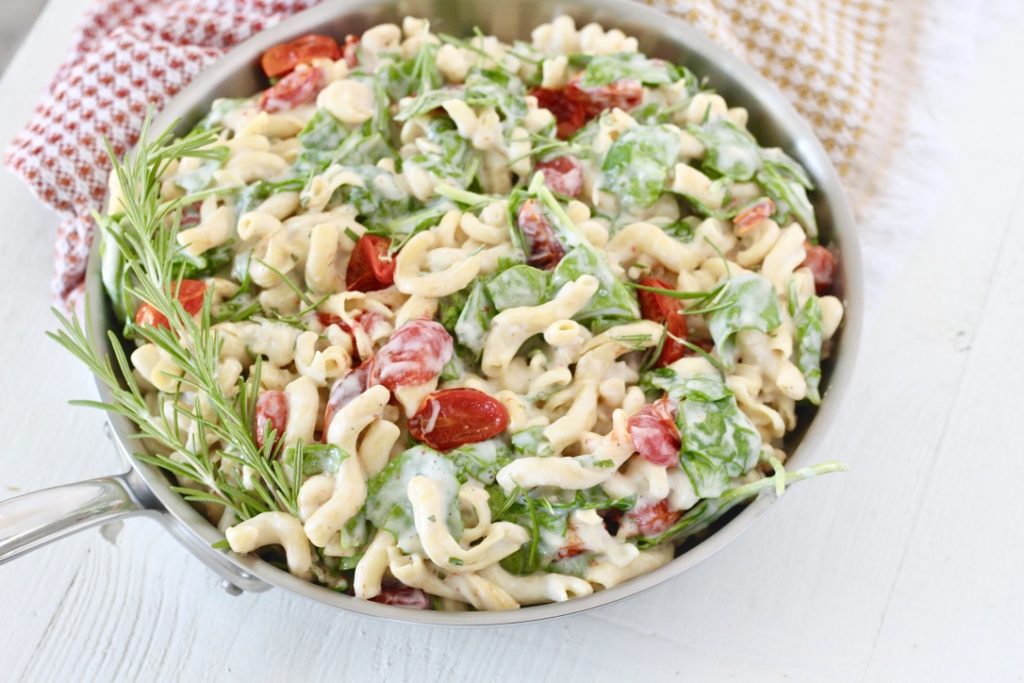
x=907 y=568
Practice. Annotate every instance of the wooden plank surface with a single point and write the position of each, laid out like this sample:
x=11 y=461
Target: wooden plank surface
x=907 y=568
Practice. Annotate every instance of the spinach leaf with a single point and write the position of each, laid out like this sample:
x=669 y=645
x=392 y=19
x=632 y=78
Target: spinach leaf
x=474 y=319
x=208 y=263
x=638 y=163
x=251 y=196
x=452 y=158
x=747 y=301
x=719 y=443
x=320 y=138
x=789 y=195
x=730 y=151
x=808 y=338
x=531 y=442
x=520 y=285
x=605 y=69
x=199 y=179
x=480 y=461
x=387 y=504
x=221 y=107
x=498 y=89
x=613 y=302
x=706 y=388
x=379 y=200
x=317 y=458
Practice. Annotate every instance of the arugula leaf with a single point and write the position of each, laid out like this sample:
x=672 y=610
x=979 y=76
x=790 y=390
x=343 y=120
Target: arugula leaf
x=639 y=162
x=789 y=195
x=379 y=200
x=747 y=302
x=808 y=338
x=613 y=302
x=706 y=512
x=730 y=151
x=474 y=319
x=387 y=504
x=605 y=69
x=519 y=285
x=498 y=89
x=418 y=74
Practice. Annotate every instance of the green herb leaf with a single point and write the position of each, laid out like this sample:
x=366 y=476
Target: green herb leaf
x=748 y=302
x=638 y=163
x=808 y=341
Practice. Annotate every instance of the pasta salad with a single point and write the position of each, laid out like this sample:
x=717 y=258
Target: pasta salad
x=451 y=323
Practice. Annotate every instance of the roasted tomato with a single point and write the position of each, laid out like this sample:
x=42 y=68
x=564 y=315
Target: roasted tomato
x=823 y=264
x=280 y=59
x=271 y=413
x=416 y=353
x=297 y=88
x=451 y=418
x=667 y=311
x=654 y=432
x=747 y=219
x=403 y=596
x=569 y=113
x=543 y=248
x=563 y=175
x=651 y=520
x=350 y=51
x=190 y=293
x=624 y=94
x=370 y=268
x=345 y=389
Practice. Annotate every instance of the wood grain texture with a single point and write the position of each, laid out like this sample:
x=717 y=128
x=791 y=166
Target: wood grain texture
x=907 y=568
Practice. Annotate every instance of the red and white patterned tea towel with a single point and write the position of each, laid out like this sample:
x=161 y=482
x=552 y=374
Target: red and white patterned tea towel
x=128 y=55
x=826 y=55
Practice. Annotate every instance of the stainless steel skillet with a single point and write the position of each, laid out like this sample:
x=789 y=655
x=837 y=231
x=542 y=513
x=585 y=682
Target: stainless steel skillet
x=34 y=519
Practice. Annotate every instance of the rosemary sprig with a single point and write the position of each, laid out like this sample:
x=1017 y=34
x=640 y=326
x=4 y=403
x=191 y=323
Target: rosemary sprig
x=221 y=425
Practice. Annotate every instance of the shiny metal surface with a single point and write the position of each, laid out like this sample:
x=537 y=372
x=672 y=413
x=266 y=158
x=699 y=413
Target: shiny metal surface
x=772 y=119
x=32 y=520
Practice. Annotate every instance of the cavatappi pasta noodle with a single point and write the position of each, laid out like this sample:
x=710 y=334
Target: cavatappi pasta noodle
x=505 y=323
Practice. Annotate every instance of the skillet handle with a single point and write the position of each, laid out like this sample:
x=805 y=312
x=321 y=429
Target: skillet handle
x=34 y=519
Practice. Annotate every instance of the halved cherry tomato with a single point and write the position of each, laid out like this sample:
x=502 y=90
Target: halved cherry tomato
x=280 y=59
x=350 y=52
x=563 y=175
x=543 y=248
x=271 y=413
x=651 y=520
x=569 y=113
x=624 y=94
x=345 y=389
x=190 y=293
x=667 y=311
x=747 y=219
x=416 y=353
x=451 y=418
x=297 y=88
x=403 y=596
x=823 y=264
x=370 y=268
x=654 y=432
